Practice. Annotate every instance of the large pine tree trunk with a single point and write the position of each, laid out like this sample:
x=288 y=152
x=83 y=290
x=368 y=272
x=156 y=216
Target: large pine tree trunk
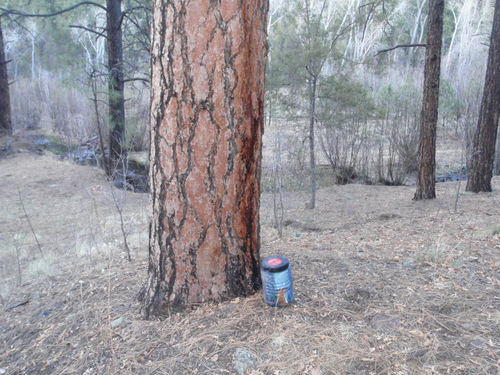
x=5 y=119
x=115 y=82
x=207 y=116
x=426 y=178
x=483 y=146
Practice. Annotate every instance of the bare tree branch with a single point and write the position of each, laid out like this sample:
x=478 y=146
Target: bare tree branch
x=99 y=34
x=15 y=12
x=401 y=46
x=136 y=79
x=130 y=10
x=29 y=222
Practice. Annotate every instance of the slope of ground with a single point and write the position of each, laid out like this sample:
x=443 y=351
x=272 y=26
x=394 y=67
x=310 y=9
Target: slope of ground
x=383 y=285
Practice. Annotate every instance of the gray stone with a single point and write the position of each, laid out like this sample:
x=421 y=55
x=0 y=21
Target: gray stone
x=242 y=361
x=117 y=322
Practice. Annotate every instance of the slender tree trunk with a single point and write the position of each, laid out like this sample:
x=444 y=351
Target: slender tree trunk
x=95 y=100
x=483 y=146
x=115 y=83
x=207 y=116
x=426 y=180
x=312 y=152
x=5 y=119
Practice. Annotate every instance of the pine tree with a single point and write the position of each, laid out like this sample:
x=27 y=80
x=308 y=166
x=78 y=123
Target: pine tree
x=426 y=177
x=483 y=148
x=207 y=116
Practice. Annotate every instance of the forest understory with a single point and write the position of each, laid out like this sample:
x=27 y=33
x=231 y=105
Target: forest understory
x=383 y=284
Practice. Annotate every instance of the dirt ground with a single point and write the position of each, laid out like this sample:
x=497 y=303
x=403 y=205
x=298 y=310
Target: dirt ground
x=383 y=285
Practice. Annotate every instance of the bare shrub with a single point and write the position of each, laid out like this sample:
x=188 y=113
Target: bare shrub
x=470 y=102
x=398 y=131
x=68 y=109
x=344 y=111
x=344 y=145
x=277 y=170
x=137 y=121
x=26 y=105
x=295 y=163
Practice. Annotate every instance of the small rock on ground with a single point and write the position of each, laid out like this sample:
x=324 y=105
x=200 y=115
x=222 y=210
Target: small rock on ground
x=242 y=361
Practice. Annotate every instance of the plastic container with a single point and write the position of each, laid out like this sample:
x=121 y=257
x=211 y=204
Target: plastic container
x=277 y=280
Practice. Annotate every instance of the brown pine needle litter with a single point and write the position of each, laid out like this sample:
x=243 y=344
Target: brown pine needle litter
x=383 y=285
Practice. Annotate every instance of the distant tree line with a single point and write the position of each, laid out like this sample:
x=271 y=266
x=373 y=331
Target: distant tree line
x=327 y=74
x=352 y=106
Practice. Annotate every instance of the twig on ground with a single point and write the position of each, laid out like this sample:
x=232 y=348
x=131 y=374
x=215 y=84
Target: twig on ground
x=25 y=302
x=29 y=222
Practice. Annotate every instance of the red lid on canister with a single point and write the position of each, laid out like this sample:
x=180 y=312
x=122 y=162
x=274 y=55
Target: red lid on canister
x=275 y=263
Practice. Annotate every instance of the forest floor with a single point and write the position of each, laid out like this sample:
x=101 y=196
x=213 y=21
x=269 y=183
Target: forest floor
x=383 y=285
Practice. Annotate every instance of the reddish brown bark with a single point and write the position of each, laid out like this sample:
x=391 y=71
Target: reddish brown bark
x=483 y=148
x=5 y=119
x=208 y=65
x=426 y=177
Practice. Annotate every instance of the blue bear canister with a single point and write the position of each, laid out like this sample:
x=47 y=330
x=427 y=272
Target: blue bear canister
x=276 y=280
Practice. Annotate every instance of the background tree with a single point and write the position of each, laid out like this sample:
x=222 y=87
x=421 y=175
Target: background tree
x=5 y=119
x=60 y=62
x=308 y=36
x=208 y=66
x=116 y=84
x=112 y=32
x=426 y=176
x=483 y=148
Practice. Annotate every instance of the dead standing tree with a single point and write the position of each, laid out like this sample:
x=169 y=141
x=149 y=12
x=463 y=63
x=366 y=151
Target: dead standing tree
x=207 y=116
x=483 y=147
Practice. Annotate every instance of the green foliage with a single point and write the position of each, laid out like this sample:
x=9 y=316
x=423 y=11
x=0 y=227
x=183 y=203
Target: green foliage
x=302 y=43
x=55 y=145
x=341 y=96
x=399 y=100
